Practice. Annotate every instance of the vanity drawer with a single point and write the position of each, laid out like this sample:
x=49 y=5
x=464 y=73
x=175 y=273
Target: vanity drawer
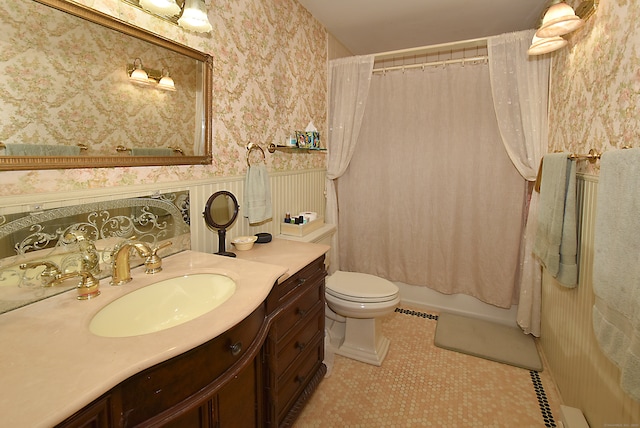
x=297 y=312
x=284 y=291
x=166 y=384
x=298 y=342
x=293 y=383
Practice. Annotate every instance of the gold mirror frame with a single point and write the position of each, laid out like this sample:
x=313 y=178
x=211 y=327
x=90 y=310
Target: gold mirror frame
x=13 y=163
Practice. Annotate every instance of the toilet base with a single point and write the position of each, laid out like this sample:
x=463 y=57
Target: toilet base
x=363 y=341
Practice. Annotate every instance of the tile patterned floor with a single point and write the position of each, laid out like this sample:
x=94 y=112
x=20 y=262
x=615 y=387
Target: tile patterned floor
x=421 y=385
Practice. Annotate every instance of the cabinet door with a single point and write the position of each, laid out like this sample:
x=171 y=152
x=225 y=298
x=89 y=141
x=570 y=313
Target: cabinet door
x=199 y=417
x=95 y=415
x=237 y=401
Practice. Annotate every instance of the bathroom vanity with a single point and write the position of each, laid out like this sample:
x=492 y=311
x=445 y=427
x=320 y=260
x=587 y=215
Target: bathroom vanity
x=252 y=361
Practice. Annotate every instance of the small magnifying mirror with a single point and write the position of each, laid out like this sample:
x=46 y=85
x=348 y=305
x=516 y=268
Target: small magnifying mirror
x=220 y=211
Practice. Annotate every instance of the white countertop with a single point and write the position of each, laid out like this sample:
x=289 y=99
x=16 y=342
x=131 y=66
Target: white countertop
x=53 y=366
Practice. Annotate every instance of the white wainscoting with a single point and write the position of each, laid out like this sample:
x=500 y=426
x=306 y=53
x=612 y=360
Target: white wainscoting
x=586 y=379
x=292 y=191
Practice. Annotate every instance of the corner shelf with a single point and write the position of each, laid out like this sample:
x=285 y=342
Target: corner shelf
x=272 y=148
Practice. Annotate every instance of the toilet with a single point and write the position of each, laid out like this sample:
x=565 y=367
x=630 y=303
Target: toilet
x=355 y=303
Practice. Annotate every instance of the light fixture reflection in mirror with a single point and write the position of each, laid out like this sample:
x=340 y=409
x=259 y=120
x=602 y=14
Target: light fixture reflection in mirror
x=150 y=77
x=161 y=7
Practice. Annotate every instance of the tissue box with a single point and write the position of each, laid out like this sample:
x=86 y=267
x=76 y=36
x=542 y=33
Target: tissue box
x=301 y=229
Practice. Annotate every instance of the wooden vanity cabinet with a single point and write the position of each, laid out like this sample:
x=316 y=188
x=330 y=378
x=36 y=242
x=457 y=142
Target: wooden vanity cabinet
x=294 y=349
x=259 y=373
x=217 y=384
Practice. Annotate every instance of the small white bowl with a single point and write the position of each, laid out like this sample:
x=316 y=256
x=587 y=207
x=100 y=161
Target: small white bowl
x=244 y=243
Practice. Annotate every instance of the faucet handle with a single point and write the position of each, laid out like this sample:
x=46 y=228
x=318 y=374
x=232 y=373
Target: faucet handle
x=90 y=257
x=153 y=263
x=50 y=268
x=87 y=288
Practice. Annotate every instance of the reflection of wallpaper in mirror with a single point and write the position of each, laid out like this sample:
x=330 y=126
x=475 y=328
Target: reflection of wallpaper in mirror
x=63 y=80
x=44 y=235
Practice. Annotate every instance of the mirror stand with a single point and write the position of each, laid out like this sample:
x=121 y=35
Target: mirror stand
x=222 y=239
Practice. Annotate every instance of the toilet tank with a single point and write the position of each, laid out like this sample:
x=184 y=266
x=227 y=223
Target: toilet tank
x=322 y=235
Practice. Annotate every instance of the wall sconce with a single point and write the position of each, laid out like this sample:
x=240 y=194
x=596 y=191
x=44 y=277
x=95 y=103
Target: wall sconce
x=560 y=19
x=188 y=14
x=150 y=77
x=194 y=17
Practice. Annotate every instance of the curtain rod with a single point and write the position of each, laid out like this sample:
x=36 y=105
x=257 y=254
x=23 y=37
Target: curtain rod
x=471 y=43
x=481 y=58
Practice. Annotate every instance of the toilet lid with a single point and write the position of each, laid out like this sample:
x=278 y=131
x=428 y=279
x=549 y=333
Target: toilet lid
x=360 y=287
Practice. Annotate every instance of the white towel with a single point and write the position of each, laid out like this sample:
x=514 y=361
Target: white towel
x=616 y=265
x=41 y=150
x=257 y=194
x=151 y=151
x=556 y=240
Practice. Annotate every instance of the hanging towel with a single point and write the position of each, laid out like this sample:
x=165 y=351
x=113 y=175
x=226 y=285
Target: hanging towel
x=151 y=151
x=556 y=243
x=41 y=150
x=257 y=194
x=616 y=265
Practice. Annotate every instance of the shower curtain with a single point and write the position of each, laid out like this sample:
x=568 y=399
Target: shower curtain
x=430 y=197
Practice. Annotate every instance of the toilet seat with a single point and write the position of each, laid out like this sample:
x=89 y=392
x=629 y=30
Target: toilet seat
x=360 y=287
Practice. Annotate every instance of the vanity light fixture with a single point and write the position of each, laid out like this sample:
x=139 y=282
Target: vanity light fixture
x=161 y=7
x=150 y=77
x=545 y=45
x=194 y=17
x=560 y=19
x=166 y=82
x=136 y=72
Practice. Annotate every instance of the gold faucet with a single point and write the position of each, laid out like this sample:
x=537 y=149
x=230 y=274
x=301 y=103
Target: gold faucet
x=50 y=268
x=87 y=288
x=121 y=269
x=153 y=263
x=90 y=258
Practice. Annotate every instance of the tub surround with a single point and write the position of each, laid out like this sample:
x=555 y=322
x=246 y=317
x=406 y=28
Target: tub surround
x=54 y=366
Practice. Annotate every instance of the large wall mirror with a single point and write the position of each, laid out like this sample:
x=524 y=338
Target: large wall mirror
x=67 y=99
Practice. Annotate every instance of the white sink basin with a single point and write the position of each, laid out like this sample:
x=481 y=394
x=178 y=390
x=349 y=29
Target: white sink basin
x=162 y=305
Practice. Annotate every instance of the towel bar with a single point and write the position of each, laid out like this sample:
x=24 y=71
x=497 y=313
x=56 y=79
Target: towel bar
x=250 y=148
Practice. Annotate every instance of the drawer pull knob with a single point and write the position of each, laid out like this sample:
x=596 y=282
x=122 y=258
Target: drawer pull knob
x=301 y=346
x=236 y=348
x=300 y=378
x=302 y=312
x=301 y=281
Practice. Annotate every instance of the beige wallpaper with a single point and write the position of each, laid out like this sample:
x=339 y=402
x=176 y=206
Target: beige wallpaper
x=270 y=71
x=595 y=89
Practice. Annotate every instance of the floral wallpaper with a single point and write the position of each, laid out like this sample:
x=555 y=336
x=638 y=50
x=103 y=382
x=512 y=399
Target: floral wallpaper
x=270 y=73
x=595 y=83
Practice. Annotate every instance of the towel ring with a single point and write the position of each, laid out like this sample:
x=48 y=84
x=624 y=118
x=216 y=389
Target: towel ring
x=254 y=146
